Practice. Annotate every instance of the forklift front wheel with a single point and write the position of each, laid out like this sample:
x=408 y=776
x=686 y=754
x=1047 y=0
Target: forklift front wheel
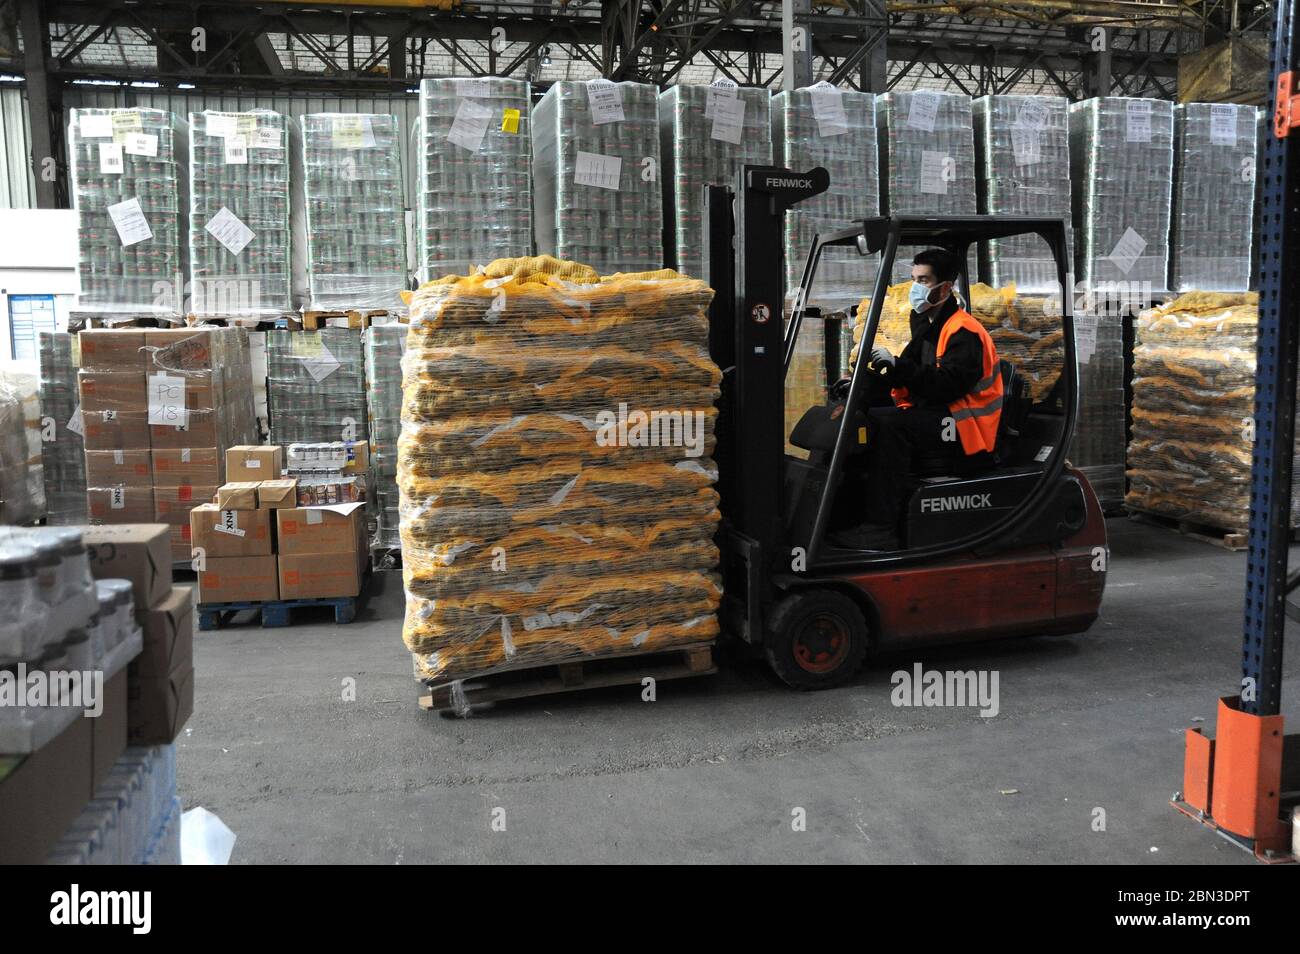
x=816 y=639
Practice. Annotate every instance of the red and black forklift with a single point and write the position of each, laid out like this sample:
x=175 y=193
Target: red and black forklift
x=1031 y=559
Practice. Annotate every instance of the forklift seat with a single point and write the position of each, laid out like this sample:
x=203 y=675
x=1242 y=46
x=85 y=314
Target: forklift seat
x=1016 y=403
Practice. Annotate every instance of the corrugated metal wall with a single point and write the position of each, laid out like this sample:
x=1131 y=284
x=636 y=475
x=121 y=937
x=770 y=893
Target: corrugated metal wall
x=17 y=186
x=405 y=107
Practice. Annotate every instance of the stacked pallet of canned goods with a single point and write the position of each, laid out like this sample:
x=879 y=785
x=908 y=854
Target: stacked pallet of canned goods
x=596 y=170
x=708 y=133
x=475 y=183
x=384 y=347
x=352 y=179
x=239 y=214
x=62 y=451
x=125 y=165
x=315 y=386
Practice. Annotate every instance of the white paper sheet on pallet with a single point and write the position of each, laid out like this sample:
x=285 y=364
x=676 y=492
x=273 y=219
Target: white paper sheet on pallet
x=167 y=400
x=728 y=120
x=128 y=218
x=720 y=89
x=593 y=169
x=95 y=127
x=228 y=229
x=606 y=102
x=110 y=159
x=470 y=125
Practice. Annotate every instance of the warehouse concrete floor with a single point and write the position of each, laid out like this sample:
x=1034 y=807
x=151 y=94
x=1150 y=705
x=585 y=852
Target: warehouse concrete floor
x=716 y=769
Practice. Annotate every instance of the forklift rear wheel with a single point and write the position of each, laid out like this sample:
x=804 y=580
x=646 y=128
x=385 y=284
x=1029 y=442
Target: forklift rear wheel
x=816 y=639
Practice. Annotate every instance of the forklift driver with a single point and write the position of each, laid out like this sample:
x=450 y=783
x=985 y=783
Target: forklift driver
x=942 y=400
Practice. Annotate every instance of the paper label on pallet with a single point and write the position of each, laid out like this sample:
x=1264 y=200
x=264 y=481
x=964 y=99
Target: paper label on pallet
x=110 y=416
x=167 y=400
x=117 y=498
x=228 y=522
x=95 y=127
x=1128 y=250
x=140 y=144
x=933 y=181
x=1137 y=127
x=110 y=159
x=923 y=111
x=474 y=88
x=1085 y=337
x=227 y=229
x=1026 y=145
x=470 y=125
x=221 y=125
x=720 y=89
x=828 y=110
x=1223 y=124
x=1032 y=114
x=118 y=458
x=728 y=120
x=185 y=455
x=128 y=218
x=236 y=151
x=323 y=365
x=125 y=122
x=605 y=99
x=352 y=132
x=593 y=169
x=313 y=517
x=75 y=423
x=266 y=137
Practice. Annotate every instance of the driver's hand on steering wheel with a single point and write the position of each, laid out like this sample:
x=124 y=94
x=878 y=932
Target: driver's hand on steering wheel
x=839 y=391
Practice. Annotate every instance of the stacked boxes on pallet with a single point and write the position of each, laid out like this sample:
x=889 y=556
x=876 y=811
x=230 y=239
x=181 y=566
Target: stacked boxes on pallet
x=1022 y=156
x=707 y=135
x=384 y=347
x=125 y=169
x=22 y=481
x=315 y=386
x=63 y=455
x=239 y=214
x=836 y=130
x=475 y=183
x=158 y=409
x=551 y=508
x=927 y=159
x=1214 y=197
x=288 y=525
x=596 y=168
x=1121 y=160
x=352 y=179
x=1193 y=407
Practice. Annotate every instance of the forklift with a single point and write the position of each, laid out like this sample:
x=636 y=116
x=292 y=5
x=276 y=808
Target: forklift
x=1029 y=560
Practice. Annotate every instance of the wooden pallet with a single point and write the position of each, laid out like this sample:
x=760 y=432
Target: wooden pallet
x=274 y=613
x=1229 y=539
x=622 y=670
x=352 y=318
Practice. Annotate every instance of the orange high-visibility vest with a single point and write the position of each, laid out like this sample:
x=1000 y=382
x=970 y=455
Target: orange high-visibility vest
x=978 y=413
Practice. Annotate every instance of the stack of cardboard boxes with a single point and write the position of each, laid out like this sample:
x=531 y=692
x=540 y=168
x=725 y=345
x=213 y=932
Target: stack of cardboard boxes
x=254 y=543
x=160 y=681
x=158 y=408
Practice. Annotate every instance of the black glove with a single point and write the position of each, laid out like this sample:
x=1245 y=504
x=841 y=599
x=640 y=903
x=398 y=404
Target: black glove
x=839 y=391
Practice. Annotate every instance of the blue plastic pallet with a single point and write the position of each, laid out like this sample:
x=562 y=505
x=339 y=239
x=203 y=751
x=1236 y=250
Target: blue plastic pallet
x=274 y=612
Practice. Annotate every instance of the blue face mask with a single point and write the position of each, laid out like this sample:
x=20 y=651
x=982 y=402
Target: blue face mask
x=919 y=296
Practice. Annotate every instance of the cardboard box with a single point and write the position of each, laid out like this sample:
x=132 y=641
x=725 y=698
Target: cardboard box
x=168 y=635
x=275 y=494
x=108 y=729
x=338 y=529
x=201 y=431
x=138 y=553
x=173 y=466
x=111 y=391
x=254 y=462
x=177 y=349
x=43 y=793
x=239 y=495
x=238 y=579
x=179 y=541
x=172 y=505
x=159 y=707
x=111 y=430
x=104 y=349
x=114 y=468
x=119 y=504
x=243 y=533
x=314 y=575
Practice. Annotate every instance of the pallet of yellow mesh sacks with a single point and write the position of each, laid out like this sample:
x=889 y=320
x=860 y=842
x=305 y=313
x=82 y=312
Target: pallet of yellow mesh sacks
x=1027 y=330
x=1189 y=458
x=557 y=503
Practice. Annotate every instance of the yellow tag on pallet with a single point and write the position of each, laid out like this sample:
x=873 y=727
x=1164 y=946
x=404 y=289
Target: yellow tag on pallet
x=510 y=121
